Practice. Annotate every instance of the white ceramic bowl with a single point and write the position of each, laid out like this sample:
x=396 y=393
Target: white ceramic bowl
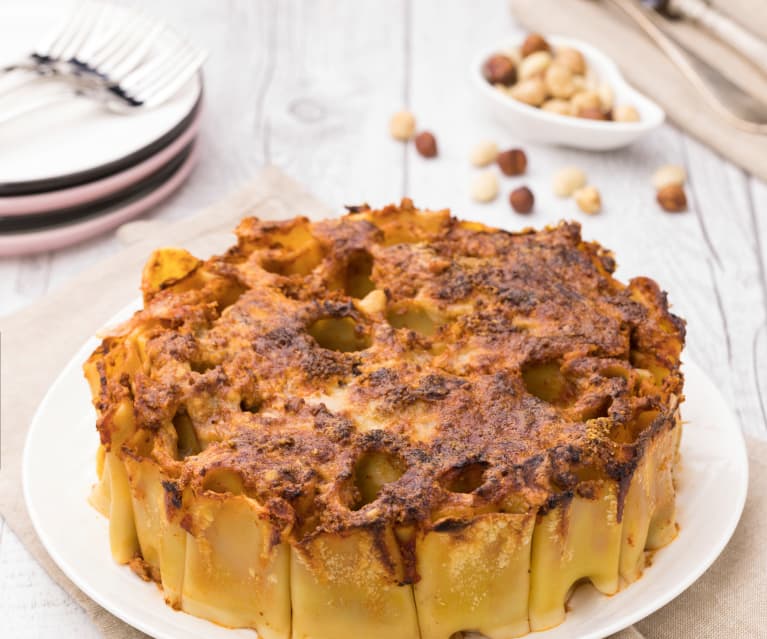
x=536 y=125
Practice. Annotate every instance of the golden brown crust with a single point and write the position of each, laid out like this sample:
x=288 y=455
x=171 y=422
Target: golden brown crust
x=478 y=370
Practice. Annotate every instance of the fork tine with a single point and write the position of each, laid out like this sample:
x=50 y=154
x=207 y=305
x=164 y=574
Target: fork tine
x=131 y=51
x=67 y=47
x=124 y=34
x=134 y=57
x=151 y=68
x=61 y=30
x=100 y=34
x=166 y=86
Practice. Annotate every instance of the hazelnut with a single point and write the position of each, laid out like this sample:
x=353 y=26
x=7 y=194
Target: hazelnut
x=560 y=107
x=532 y=92
x=513 y=54
x=402 y=126
x=500 y=69
x=572 y=59
x=426 y=144
x=534 y=64
x=668 y=174
x=568 y=180
x=625 y=113
x=559 y=81
x=512 y=162
x=592 y=114
x=534 y=42
x=672 y=198
x=588 y=199
x=579 y=82
x=606 y=97
x=484 y=153
x=522 y=200
x=484 y=186
x=585 y=100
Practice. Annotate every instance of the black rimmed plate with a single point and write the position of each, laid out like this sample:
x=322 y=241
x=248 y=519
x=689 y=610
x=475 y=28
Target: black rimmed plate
x=77 y=141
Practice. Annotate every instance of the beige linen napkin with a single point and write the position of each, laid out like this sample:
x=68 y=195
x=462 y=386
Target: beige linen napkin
x=649 y=70
x=728 y=601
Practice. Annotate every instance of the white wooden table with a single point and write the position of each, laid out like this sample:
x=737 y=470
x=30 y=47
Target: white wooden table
x=309 y=87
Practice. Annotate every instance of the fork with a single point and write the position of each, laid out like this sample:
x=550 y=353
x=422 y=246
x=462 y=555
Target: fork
x=97 y=55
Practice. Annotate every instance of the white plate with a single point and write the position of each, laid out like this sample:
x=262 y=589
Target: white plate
x=537 y=125
x=59 y=469
x=78 y=137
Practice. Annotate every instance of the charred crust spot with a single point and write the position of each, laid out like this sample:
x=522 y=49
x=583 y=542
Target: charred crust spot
x=172 y=495
x=450 y=525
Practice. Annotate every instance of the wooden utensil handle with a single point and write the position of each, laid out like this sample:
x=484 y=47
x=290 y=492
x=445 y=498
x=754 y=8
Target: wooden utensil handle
x=727 y=30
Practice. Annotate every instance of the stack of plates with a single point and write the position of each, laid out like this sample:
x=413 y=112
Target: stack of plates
x=74 y=170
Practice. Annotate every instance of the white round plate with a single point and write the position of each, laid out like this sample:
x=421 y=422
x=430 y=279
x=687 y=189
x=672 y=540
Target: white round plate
x=72 y=141
x=59 y=470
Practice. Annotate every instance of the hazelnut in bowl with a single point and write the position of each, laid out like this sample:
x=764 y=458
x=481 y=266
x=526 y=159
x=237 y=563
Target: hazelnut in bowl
x=562 y=91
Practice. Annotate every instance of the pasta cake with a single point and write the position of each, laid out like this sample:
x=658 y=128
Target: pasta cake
x=389 y=424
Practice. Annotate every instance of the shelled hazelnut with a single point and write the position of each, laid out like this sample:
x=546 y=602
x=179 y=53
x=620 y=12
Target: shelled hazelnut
x=567 y=180
x=559 y=81
x=532 y=91
x=534 y=65
x=588 y=200
x=572 y=59
x=545 y=76
x=484 y=186
x=512 y=162
x=522 y=200
x=668 y=174
x=402 y=126
x=484 y=153
x=560 y=107
x=625 y=113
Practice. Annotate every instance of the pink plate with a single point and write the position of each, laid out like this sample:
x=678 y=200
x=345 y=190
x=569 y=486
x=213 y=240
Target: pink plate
x=58 y=237
x=98 y=189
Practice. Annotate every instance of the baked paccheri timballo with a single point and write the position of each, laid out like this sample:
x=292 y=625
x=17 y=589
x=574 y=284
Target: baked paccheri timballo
x=390 y=424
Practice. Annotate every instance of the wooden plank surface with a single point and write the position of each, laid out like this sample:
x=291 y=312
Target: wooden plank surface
x=309 y=87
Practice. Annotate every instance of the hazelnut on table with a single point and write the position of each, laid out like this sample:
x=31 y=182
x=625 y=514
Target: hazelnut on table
x=522 y=200
x=567 y=180
x=668 y=174
x=402 y=126
x=672 y=198
x=426 y=144
x=588 y=199
x=512 y=162
x=484 y=153
x=484 y=186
